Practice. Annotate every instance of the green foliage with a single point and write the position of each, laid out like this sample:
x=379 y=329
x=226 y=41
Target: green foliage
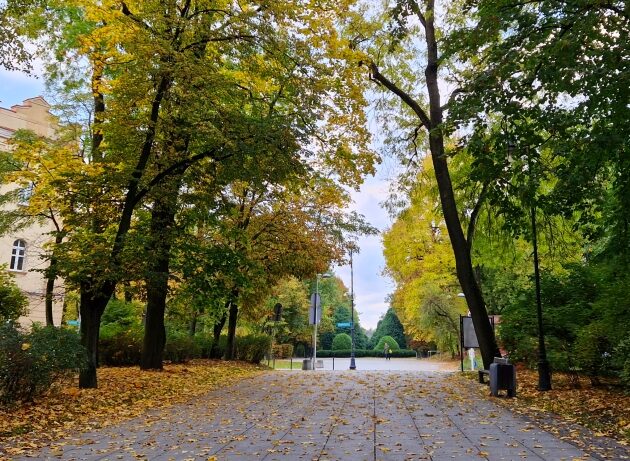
x=13 y=302
x=252 y=348
x=391 y=342
x=401 y=353
x=622 y=360
x=31 y=361
x=389 y=325
x=341 y=341
x=120 y=345
x=203 y=344
x=283 y=351
x=593 y=351
x=122 y=312
x=181 y=347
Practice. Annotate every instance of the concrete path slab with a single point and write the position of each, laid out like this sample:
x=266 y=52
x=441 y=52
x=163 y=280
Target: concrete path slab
x=325 y=415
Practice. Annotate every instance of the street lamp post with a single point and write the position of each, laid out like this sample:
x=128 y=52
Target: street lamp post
x=316 y=306
x=544 y=373
x=353 y=365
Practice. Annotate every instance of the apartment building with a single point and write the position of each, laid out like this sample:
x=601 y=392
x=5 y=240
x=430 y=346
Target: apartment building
x=22 y=251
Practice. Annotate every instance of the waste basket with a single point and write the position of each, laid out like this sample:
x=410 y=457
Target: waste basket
x=502 y=377
x=306 y=364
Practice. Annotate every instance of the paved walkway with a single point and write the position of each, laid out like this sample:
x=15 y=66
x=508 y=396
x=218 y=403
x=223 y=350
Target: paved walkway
x=325 y=415
x=380 y=364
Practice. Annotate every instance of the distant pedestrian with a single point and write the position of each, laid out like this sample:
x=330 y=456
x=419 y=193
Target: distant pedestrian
x=473 y=359
x=386 y=351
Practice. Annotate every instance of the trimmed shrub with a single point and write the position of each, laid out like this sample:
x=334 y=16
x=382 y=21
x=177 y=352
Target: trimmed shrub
x=401 y=353
x=283 y=351
x=341 y=341
x=180 y=347
x=393 y=345
x=120 y=345
x=252 y=348
x=31 y=362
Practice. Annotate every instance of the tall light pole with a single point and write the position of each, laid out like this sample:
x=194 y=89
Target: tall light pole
x=316 y=305
x=544 y=373
x=353 y=365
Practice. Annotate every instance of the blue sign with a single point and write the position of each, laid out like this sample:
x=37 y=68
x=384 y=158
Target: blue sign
x=344 y=325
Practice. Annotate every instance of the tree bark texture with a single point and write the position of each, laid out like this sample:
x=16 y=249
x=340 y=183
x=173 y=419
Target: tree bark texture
x=230 y=349
x=159 y=251
x=93 y=303
x=216 y=331
x=51 y=276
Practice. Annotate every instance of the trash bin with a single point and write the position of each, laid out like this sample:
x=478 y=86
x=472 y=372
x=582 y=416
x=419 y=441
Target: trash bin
x=306 y=364
x=502 y=377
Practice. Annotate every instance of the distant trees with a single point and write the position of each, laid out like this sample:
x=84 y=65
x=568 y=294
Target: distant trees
x=389 y=325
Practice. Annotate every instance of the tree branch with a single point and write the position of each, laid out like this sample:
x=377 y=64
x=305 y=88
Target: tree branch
x=375 y=74
x=177 y=168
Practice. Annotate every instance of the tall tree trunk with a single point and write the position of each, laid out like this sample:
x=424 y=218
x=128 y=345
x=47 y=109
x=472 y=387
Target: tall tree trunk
x=230 y=349
x=432 y=122
x=192 y=327
x=162 y=223
x=216 y=333
x=93 y=303
x=51 y=276
x=127 y=292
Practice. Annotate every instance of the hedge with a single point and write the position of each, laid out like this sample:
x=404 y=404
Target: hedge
x=30 y=361
x=401 y=353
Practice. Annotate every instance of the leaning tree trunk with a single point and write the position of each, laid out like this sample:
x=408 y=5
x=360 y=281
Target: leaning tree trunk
x=461 y=250
x=432 y=122
x=51 y=276
x=161 y=229
x=93 y=303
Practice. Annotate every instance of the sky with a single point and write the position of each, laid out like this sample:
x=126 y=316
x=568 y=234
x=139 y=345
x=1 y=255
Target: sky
x=371 y=287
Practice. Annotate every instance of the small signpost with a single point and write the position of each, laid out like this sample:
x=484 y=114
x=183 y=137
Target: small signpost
x=344 y=325
x=315 y=311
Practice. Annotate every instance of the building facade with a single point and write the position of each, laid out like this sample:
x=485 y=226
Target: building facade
x=22 y=251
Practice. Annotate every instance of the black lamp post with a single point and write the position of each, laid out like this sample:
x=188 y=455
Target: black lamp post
x=544 y=372
x=353 y=365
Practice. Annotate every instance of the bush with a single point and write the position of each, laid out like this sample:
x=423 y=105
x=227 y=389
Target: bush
x=13 y=302
x=283 y=351
x=120 y=345
x=393 y=345
x=180 y=347
x=252 y=348
x=341 y=341
x=31 y=362
x=592 y=351
x=122 y=312
x=203 y=344
x=622 y=360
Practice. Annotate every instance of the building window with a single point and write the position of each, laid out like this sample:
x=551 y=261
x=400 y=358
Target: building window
x=17 y=255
